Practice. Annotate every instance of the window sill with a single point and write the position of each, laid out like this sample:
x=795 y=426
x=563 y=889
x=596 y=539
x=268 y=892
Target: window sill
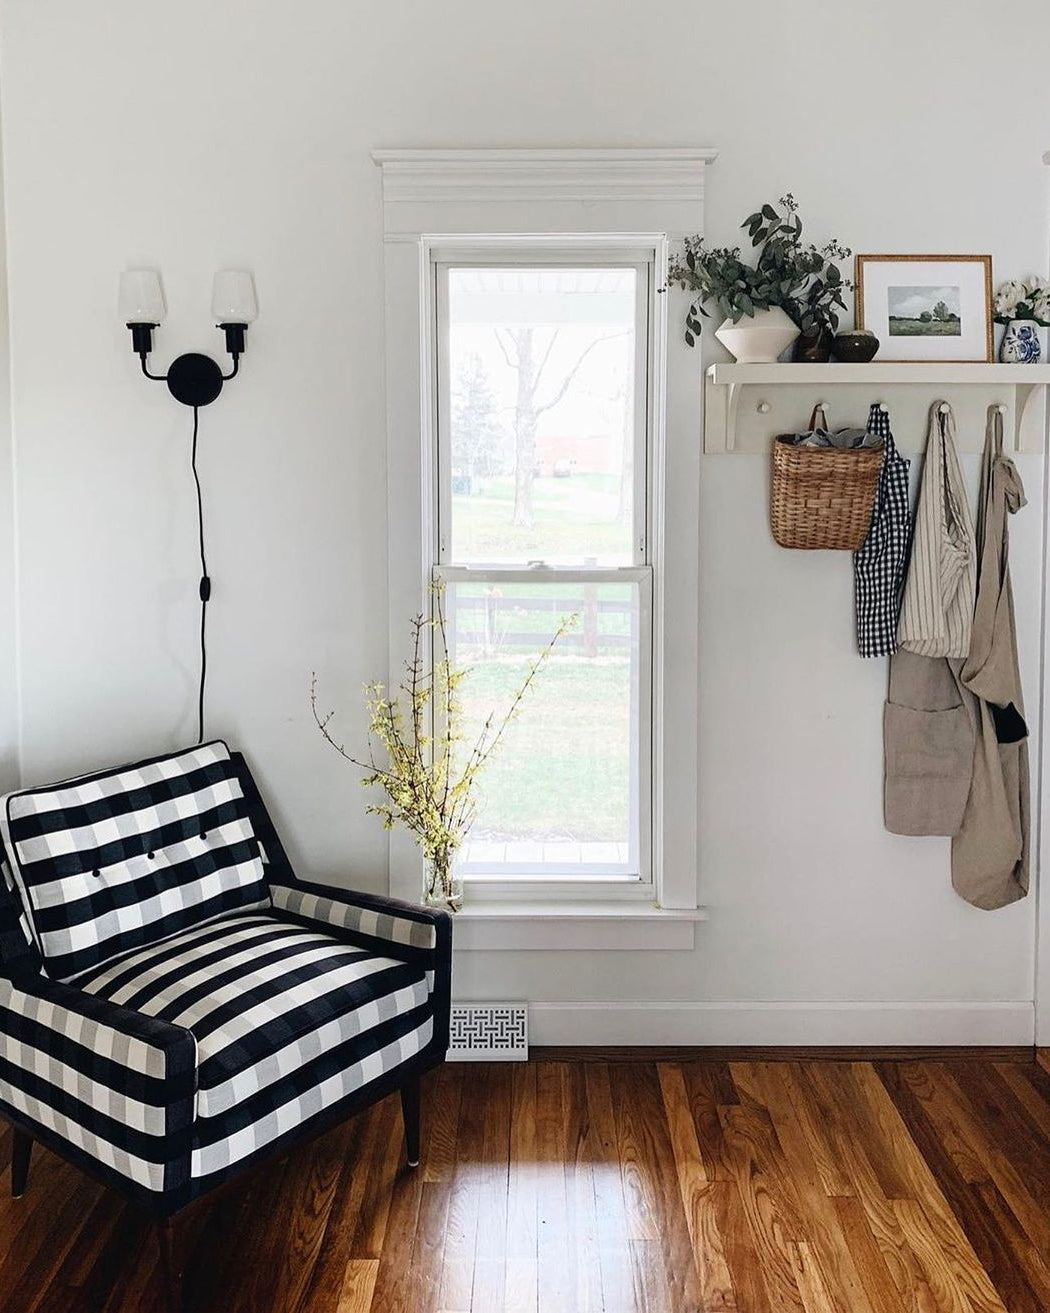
x=573 y=926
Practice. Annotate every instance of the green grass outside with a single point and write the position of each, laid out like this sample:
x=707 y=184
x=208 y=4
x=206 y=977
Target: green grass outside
x=569 y=524
x=562 y=771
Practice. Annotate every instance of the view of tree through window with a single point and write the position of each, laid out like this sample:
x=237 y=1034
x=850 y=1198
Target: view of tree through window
x=540 y=460
x=542 y=413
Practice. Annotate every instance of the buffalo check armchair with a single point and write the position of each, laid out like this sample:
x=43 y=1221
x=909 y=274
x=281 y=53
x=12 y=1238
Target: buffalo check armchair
x=175 y=1005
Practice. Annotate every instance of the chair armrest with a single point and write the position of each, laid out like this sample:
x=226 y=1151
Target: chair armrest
x=106 y=1086
x=391 y=926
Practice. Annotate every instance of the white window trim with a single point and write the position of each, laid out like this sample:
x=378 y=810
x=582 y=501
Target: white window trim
x=612 y=199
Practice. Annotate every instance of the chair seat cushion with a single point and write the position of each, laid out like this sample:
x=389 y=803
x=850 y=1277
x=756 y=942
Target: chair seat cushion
x=126 y=857
x=288 y=1021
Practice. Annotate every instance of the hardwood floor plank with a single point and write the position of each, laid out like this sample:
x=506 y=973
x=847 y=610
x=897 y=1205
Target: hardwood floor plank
x=397 y=1281
x=326 y=1282
x=1009 y=1181
x=810 y=1280
x=920 y=1079
x=521 y=1267
x=760 y=1176
x=385 y=1159
x=698 y=1201
x=757 y=1186
x=925 y=1111
x=711 y=1087
x=840 y=1286
x=922 y=1187
x=650 y=1280
x=442 y=1098
x=614 y=1259
x=880 y=1289
x=428 y=1248
x=457 y=1262
x=490 y=1250
x=30 y=1271
x=910 y=1285
x=938 y=1271
x=656 y=1158
x=359 y=1279
x=643 y=1222
x=556 y=1286
x=284 y=1266
x=580 y=1152
x=741 y=1254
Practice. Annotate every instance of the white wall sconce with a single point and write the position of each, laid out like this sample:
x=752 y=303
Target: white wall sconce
x=193 y=379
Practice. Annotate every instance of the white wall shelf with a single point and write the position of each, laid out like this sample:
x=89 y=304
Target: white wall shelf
x=733 y=424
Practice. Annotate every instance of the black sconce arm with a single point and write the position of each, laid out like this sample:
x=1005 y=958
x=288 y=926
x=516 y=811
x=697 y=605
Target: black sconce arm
x=194 y=379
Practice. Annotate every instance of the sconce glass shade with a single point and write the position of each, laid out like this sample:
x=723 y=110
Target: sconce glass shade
x=233 y=297
x=141 y=298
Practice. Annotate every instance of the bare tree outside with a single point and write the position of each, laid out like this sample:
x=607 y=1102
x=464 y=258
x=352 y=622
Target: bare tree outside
x=520 y=348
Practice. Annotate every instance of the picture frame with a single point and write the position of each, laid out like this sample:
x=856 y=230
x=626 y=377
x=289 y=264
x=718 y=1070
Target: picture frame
x=926 y=308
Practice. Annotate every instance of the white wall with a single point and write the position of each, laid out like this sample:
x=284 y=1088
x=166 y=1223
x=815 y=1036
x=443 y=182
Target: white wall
x=196 y=136
x=8 y=637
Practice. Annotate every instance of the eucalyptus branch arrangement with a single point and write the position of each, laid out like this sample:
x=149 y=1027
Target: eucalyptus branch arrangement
x=429 y=782
x=800 y=278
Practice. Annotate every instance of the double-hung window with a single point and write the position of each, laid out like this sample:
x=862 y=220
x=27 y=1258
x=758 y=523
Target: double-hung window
x=542 y=508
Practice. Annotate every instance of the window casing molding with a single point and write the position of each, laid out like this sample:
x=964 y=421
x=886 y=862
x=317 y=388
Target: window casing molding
x=473 y=204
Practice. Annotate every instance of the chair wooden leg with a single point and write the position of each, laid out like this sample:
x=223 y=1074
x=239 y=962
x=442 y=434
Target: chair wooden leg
x=410 y=1113
x=171 y=1274
x=21 y=1149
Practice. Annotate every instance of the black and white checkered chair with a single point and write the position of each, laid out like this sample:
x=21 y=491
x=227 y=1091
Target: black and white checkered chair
x=174 y=1004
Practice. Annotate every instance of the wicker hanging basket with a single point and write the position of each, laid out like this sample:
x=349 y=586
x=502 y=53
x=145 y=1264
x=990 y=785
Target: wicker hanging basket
x=822 y=497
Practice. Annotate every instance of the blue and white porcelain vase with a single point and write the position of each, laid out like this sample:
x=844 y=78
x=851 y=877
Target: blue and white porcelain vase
x=1020 y=344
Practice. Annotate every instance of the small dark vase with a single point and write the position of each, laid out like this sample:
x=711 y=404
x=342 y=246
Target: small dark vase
x=813 y=348
x=855 y=348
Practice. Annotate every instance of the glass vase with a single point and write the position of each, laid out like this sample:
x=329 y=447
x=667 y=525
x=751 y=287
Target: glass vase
x=444 y=888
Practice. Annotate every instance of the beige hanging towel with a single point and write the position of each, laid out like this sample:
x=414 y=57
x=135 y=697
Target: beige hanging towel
x=937 y=610
x=990 y=852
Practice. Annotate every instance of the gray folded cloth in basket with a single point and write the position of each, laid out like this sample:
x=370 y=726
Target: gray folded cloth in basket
x=844 y=439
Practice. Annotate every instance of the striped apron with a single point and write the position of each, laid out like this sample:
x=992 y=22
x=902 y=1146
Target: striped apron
x=937 y=610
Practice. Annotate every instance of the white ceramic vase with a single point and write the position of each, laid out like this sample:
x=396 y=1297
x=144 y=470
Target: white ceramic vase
x=760 y=339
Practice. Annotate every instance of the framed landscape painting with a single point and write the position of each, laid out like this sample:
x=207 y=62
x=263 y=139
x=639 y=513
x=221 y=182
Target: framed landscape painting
x=927 y=307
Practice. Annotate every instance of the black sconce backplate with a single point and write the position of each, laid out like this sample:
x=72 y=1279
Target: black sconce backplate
x=194 y=379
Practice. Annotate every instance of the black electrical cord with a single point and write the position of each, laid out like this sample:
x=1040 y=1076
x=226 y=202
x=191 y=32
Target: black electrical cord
x=204 y=590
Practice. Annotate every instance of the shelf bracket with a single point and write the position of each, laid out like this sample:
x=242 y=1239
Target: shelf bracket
x=1022 y=395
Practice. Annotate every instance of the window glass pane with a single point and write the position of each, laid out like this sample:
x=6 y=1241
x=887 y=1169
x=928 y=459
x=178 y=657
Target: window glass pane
x=541 y=414
x=561 y=794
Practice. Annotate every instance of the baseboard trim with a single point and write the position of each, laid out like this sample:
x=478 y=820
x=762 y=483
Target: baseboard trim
x=945 y=1023
x=786 y=1053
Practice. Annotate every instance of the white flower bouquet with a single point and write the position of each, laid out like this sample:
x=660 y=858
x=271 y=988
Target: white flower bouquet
x=1023 y=300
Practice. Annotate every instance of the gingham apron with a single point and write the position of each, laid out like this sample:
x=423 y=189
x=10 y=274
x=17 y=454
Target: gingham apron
x=878 y=568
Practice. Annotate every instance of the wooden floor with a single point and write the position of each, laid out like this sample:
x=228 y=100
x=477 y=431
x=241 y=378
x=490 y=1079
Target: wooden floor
x=812 y=1186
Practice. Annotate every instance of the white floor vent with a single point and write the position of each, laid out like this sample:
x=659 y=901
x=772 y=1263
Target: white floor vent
x=489 y=1032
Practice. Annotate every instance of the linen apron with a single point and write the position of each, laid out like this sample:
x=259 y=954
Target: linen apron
x=928 y=720
x=991 y=851
x=937 y=610
x=878 y=568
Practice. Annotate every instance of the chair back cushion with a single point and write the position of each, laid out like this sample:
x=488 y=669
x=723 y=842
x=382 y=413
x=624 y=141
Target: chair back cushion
x=110 y=862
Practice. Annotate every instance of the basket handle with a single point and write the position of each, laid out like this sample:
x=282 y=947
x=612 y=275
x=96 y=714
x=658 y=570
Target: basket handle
x=825 y=427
